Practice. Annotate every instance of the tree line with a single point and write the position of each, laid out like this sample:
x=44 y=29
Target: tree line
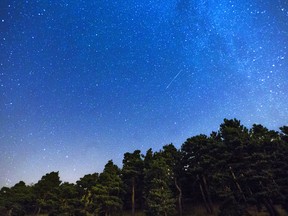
x=227 y=172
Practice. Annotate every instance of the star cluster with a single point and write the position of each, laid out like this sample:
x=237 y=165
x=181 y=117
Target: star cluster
x=82 y=82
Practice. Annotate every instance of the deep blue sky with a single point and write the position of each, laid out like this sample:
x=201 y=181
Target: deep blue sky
x=82 y=82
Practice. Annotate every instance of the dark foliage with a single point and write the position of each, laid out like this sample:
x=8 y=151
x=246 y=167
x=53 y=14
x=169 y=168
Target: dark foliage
x=235 y=168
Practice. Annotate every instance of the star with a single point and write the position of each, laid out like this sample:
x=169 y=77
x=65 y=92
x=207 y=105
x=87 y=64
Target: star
x=86 y=81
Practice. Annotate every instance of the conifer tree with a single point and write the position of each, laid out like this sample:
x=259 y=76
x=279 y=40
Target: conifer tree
x=45 y=190
x=198 y=164
x=159 y=196
x=108 y=191
x=85 y=189
x=172 y=158
x=132 y=175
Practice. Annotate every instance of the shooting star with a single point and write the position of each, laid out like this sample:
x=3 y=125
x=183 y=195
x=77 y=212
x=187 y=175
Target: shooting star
x=173 y=79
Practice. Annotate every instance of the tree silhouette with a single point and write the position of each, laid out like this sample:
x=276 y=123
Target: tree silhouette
x=234 y=167
x=132 y=175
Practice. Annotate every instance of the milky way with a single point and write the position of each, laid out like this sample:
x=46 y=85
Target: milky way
x=82 y=82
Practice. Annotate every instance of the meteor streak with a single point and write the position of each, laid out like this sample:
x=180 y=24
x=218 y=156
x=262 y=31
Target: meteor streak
x=173 y=79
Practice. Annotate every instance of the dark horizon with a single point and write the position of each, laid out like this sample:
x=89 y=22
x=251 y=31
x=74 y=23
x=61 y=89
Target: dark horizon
x=234 y=171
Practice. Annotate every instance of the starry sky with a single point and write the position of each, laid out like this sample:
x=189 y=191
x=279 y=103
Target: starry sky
x=85 y=81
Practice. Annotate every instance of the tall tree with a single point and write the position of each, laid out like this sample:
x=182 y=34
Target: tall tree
x=198 y=164
x=85 y=189
x=108 y=191
x=260 y=175
x=235 y=140
x=172 y=158
x=148 y=159
x=159 y=199
x=132 y=175
x=45 y=190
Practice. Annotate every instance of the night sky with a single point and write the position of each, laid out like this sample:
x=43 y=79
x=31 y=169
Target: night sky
x=85 y=81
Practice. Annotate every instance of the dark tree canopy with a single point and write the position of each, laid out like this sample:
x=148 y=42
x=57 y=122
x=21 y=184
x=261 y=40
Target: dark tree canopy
x=234 y=171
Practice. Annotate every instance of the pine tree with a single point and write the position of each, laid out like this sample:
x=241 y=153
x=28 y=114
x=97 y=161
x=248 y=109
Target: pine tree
x=132 y=175
x=46 y=192
x=198 y=163
x=159 y=196
x=108 y=191
x=172 y=158
x=85 y=189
